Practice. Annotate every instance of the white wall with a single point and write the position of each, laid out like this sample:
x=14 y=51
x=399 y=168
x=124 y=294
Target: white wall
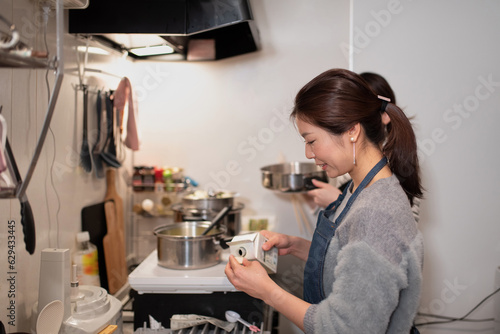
x=437 y=55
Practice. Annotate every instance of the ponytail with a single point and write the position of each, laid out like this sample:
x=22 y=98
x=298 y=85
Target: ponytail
x=401 y=149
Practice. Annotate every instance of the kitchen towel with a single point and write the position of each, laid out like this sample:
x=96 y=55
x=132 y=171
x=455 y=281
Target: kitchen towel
x=123 y=95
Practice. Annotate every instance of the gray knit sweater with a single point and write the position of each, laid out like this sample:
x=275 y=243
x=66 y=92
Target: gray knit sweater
x=372 y=274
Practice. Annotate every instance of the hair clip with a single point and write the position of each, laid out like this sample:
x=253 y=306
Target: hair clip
x=384 y=98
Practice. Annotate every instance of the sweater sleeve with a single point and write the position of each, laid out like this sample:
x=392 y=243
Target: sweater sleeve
x=365 y=293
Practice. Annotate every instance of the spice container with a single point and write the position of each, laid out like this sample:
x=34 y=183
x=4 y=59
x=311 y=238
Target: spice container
x=137 y=179
x=148 y=178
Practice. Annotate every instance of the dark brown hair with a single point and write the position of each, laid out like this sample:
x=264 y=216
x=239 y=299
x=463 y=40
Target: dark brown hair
x=379 y=85
x=338 y=99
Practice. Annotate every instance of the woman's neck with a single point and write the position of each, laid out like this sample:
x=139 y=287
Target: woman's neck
x=364 y=163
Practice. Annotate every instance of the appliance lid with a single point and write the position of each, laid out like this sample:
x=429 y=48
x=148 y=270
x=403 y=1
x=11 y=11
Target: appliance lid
x=194 y=29
x=149 y=277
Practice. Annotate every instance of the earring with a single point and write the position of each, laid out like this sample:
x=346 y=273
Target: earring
x=353 y=151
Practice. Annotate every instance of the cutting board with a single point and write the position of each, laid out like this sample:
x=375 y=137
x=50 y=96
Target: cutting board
x=94 y=221
x=112 y=195
x=118 y=264
x=114 y=250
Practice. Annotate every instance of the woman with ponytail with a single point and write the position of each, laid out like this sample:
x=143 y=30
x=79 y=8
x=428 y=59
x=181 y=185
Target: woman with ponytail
x=363 y=265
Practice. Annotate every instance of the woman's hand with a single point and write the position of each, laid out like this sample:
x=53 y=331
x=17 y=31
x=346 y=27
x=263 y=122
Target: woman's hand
x=249 y=277
x=324 y=194
x=286 y=244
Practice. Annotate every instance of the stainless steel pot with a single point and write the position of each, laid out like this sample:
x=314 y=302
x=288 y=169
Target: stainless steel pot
x=182 y=245
x=292 y=176
x=232 y=222
x=215 y=202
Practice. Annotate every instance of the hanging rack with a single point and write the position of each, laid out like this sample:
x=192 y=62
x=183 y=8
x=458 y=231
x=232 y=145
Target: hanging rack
x=53 y=97
x=89 y=89
x=71 y=71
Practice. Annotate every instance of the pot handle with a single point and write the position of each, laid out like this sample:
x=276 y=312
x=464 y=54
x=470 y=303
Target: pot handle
x=222 y=242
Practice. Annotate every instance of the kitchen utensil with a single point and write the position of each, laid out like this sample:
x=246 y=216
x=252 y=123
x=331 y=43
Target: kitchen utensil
x=50 y=319
x=114 y=251
x=3 y=161
x=232 y=316
x=112 y=194
x=85 y=159
x=203 y=200
x=182 y=245
x=14 y=35
x=27 y=219
x=231 y=222
x=118 y=225
x=292 y=176
x=108 y=153
x=96 y=156
x=217 y=219
x=94 y=221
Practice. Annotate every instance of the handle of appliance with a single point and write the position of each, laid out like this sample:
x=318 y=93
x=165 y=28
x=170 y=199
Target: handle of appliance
x=218 y=218
x=223 y=242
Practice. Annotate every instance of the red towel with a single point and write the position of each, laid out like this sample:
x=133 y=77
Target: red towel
x=123 y=95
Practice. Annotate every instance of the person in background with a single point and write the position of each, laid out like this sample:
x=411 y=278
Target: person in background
x=363 y=270
x=326 y=193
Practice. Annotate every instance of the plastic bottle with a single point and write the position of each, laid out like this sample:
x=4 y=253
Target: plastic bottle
x=85 y=258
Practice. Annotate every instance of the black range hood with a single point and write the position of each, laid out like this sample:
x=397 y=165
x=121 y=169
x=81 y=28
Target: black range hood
x=195 y=29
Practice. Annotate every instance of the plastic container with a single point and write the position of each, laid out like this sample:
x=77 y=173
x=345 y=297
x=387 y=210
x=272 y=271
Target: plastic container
x=86 y=260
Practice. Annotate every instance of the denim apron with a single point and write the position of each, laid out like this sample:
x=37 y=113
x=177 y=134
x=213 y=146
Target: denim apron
x=325 y=230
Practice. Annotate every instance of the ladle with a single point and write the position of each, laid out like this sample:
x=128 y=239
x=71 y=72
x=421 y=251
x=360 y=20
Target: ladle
x=222 y=213
x=232 y=316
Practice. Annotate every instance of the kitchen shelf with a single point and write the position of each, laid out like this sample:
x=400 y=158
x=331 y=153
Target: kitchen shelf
x=16 y=61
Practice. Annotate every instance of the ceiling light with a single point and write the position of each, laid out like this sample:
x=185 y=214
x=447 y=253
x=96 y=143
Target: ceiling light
x=152 y=50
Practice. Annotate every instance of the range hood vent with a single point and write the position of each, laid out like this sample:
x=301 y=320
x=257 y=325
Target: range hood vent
x=195 y=29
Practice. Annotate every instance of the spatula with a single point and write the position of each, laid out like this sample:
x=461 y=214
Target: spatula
x=108 y=153
x=96 y=152
x=85 y=159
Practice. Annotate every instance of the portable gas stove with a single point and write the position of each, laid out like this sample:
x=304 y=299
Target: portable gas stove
x=161 y=292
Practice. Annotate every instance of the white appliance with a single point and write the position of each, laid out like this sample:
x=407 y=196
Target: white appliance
x=91 y=312
x=149 y=277
x=163 y=292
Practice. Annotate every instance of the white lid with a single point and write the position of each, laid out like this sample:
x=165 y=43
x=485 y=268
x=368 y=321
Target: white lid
x=83 y=236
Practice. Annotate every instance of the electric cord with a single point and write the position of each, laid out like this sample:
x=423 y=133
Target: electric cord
x=452 y=319
x=46 y=10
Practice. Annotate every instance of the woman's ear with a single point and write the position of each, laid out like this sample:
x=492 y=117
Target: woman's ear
x=354 y=132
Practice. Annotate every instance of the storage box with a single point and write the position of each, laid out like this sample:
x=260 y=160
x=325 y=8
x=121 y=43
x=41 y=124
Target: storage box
x=249 y=246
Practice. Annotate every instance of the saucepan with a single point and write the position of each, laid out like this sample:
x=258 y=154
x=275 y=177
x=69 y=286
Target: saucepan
x=292 y=177
x=183 y=245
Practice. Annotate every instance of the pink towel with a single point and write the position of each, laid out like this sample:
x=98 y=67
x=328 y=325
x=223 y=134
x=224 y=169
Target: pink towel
x=122 y=95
